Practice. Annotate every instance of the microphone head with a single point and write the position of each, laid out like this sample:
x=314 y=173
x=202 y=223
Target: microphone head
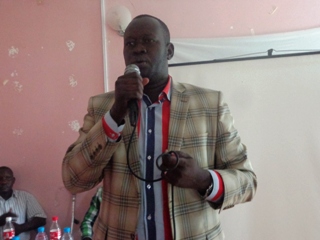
x=132 y=68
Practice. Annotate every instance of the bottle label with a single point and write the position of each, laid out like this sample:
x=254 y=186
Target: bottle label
x=55 y=234
x=8 y=234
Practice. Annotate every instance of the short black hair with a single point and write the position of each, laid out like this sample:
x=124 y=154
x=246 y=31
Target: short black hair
x=162 y=24
x=6 y=169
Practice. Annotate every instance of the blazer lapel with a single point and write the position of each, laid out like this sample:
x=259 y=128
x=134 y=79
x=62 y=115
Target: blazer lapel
x=133 y=151
x=178 y=116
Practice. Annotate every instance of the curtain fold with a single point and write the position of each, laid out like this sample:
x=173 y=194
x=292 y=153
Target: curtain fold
x=207 y=49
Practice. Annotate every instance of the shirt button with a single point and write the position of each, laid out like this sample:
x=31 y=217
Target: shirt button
x=149 y=157
x=150 y=131
x=149 y=217
x=149 y=186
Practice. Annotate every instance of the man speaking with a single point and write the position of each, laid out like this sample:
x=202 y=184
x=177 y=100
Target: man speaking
x=167 y=175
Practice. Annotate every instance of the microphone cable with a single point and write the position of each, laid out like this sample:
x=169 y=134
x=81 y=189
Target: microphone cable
x=158 y=179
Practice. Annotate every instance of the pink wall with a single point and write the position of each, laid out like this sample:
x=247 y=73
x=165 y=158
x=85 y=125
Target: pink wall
x=44 y=89
x=45 y=83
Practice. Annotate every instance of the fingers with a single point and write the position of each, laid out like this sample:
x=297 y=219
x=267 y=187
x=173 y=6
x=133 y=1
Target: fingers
x=169 y=167
x=12 y=214
x=169 y=161
x=179 y=169
x=145 y=81
x=170 y=177
x=127 y=87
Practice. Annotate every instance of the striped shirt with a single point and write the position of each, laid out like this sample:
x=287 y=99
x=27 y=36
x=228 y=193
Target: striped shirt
x=25 y=206
x=153 y=127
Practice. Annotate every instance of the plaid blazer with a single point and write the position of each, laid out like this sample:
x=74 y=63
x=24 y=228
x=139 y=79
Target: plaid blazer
x=201 y=125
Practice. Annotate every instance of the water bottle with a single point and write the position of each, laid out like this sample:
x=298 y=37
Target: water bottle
x=55 y=231
x=8 y=229
x=66 y=234
x=41 y=235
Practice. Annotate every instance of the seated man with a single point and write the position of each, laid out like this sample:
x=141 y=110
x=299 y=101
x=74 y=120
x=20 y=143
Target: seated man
x=91 y=215
x=20 y=205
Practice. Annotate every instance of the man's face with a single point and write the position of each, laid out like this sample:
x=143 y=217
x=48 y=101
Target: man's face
x=6 y=181
x=146 y=46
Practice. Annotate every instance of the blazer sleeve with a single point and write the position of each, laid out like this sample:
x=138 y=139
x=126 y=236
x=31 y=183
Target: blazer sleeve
x=86 y=158
x=231 y=161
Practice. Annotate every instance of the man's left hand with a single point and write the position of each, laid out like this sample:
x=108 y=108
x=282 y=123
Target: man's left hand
x=187 y=173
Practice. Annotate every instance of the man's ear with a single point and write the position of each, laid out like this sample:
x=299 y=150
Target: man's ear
x=170 y=51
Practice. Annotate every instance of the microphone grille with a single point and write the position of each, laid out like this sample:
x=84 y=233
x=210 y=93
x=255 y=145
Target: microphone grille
x=132 y=68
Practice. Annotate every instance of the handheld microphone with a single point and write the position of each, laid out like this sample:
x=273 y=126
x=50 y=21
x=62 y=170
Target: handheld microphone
x=133 y=104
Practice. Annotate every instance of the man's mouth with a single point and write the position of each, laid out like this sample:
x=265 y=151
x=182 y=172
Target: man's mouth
x=4 y=187
x=140 y=62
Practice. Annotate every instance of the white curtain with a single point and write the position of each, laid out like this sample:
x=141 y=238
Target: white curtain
x=275 y=106
x=207 y=49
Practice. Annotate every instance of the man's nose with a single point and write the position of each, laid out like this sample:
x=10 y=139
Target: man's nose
x=140 y=48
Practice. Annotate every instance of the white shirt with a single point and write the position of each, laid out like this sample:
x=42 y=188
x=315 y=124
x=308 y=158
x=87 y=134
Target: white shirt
x=25 y=206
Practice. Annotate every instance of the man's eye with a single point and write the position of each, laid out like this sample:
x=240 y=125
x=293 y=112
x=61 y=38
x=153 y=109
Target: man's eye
x=149 y=40
x=6 y=178
x=130 y=44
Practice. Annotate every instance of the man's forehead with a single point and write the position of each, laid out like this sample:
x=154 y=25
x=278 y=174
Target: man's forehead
x=142 y=23
x=6 y=172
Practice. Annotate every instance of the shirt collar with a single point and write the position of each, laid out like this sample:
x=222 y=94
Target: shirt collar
x=14 y=194
x=165 y=95
x=166 y=92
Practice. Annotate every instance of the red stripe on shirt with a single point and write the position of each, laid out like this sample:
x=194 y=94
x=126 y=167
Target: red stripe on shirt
x=165 y=134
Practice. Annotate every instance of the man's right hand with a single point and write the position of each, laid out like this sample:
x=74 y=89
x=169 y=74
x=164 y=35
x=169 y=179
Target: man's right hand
x=127 y=87
x=3 y=217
